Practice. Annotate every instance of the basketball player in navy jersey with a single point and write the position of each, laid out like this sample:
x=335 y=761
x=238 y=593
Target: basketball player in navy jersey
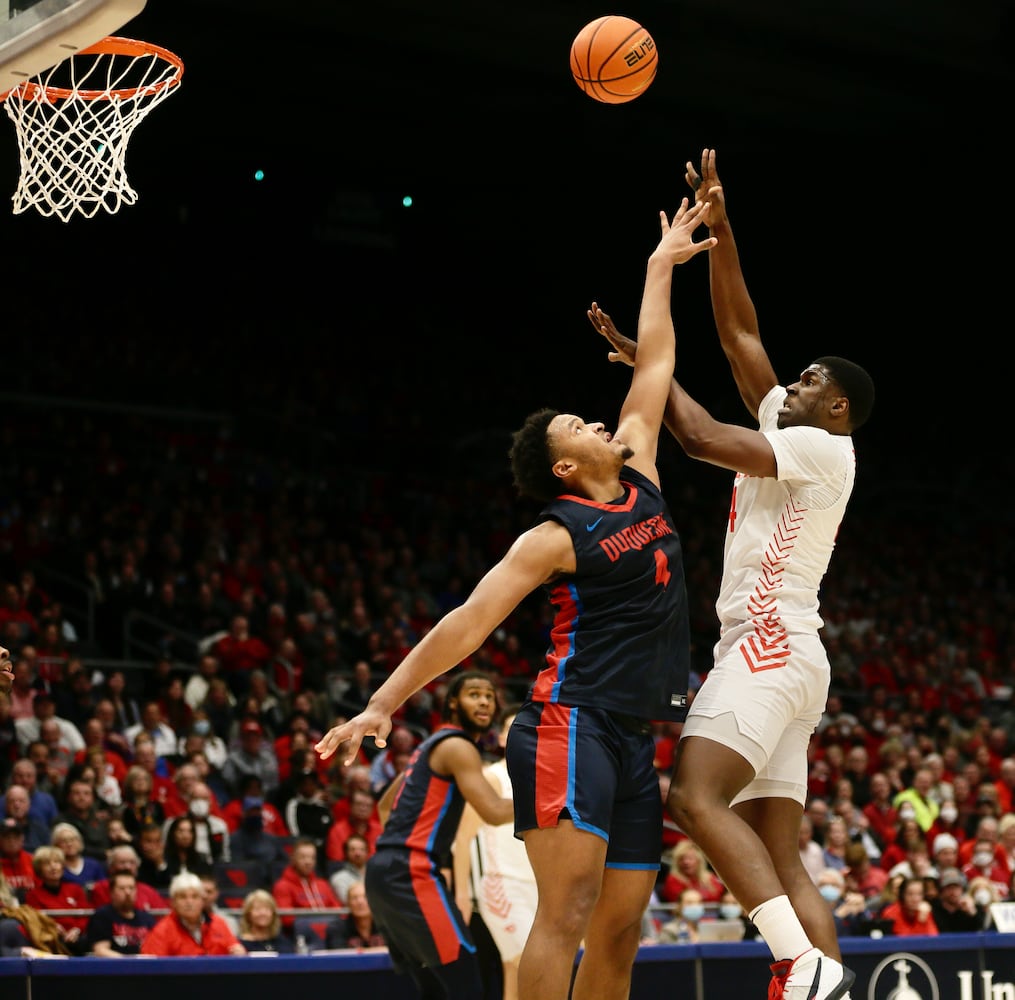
x=426 y=934
x=580 y=752
x=740 y=775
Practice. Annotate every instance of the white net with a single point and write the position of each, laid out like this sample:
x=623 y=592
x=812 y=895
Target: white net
x=75 y=119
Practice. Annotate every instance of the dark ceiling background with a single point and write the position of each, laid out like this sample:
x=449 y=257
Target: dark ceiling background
x=863 y=145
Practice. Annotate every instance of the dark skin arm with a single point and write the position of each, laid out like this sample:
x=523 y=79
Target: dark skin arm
x=734 y=312
x=728 y=446
x=461 y=760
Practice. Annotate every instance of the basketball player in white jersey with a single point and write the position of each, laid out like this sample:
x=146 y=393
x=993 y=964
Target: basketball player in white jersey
x=492 y=868
x=740 y=775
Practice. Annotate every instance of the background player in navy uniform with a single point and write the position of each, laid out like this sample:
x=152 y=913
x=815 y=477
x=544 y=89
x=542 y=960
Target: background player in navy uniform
x=412 y=904
x=587 y=798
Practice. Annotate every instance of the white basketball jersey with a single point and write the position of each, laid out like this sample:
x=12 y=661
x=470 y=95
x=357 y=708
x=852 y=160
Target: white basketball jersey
x=780 y=532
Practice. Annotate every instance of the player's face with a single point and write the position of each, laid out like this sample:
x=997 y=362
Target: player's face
x=806 y=398
x=477 y=705
x=590 y=445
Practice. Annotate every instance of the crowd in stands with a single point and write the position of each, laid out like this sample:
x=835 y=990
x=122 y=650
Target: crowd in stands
x=281 y=589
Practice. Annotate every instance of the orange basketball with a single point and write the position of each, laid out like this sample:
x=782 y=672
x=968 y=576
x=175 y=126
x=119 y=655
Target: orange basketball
x=613 y=59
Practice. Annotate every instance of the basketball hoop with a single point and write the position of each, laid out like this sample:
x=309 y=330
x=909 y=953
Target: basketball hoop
x=74 y=121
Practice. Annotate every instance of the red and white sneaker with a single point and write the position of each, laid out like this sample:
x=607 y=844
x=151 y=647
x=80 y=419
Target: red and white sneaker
x=815 y=976
x=780 y=970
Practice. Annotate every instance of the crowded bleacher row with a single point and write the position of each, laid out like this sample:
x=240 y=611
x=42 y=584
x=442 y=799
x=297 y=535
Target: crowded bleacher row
x=277 y=594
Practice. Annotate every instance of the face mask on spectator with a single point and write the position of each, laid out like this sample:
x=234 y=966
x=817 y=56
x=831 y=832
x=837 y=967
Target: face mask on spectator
x=949 y=814
x=730 y=911
x=202 y=727
x=907 y=812
x=200 y=808
x=693 y=912
x=982 y=897
x=982 y=859
x=830 y=892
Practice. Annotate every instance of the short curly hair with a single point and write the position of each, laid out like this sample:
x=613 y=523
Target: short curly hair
x=532 y=458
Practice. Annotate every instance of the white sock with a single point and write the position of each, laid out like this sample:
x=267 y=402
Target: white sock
x=780 y=927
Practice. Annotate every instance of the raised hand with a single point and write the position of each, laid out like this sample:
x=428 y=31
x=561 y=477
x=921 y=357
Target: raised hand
x=348 y=736
x=624 y=349
x=677 y=243
x=707 y=186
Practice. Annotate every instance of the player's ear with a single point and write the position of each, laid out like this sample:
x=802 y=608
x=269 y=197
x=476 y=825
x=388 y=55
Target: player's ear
x=563 y=468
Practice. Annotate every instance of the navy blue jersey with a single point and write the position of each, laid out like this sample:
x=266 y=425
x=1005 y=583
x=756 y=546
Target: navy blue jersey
x=428 y=806
x=620 y=638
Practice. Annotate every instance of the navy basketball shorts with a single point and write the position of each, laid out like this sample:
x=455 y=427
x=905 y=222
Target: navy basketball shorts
x=413 y=908
x=586 y=765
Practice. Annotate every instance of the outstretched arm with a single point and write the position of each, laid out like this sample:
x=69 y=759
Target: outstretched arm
x=536 y=556
x=698 y=432
x=735 y=316
x=641 y=416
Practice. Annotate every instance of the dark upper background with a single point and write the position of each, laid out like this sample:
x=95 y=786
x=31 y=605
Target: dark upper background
x=862 y=144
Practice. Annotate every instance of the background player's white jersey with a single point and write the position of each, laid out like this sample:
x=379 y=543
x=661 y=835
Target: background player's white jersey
x=781 y=532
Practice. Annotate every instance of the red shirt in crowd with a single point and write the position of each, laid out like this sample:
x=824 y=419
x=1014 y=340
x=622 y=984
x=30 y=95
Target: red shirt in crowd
x=19 y=872
x=148 y=897
x=66 y=896
x=169 y=938
x=293 y=892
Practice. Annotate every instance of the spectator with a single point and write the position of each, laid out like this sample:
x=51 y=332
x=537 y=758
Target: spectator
x=925 y=809
x=81 y=811
x=253 y=756
x=987 y=828
x=363 y=819
x=690 y=870
x=42 y=805
x=239 y=652
x=80 y=868
x=201 y=736
x=848 y=907
x=300 y=887
x=196 y=689
x=382 y=767
x=188 y=930
x=812 y=855
x=836 y=842
x=154 y=868
x=251 y=842
x=174 y=709
x=16 y=806
x=683 y=928
x=163 y=788
x=953 y=909
x=260 y=926
x=153 y=725
x=234 y=810
x=882 y=816
x=125 y=710
x=357 y=929
x=353 y=867
x=43 y=709
x=911 y=913
x=139 y=808
x=120 y=926
x=862 y=875
x=307 y=813
x=908 y=837
x=15 y=862
x=944 y=852
x=123 y=860
x=182 y=854
x=53 y=892
x=211 y=899
x=23 y=689
x=211 y=834
x=984 y=864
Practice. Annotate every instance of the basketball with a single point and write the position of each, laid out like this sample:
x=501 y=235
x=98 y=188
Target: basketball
x=613 y=59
